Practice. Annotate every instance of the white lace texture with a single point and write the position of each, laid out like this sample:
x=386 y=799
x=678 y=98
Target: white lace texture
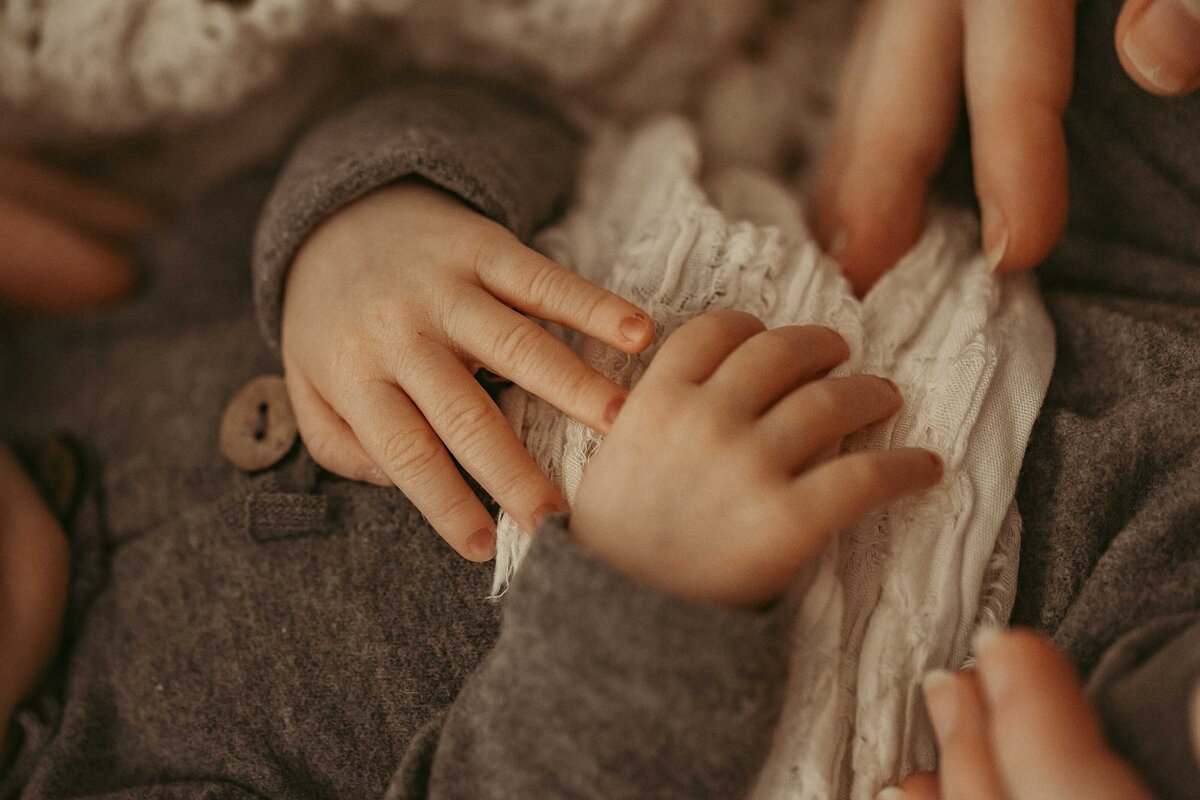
x=902 y=591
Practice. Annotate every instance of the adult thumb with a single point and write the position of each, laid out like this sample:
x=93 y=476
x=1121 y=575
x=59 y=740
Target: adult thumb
x=1158 y=43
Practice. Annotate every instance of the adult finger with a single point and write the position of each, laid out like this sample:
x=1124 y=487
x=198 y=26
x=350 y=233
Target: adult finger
x=536 y=285
x=329 y=439
x=918 y=786
x=59 y=194
x=1047 y=741
x=1158 y=43
x=516 y=347
x=33 y=583
x=694 y=352
x=397 y=438
x=906 y=107
x=479 y=436
x=863 y=481
x=956 y=707
x=1018 y=65
x=772 y=363
x=816 y=416
x=46 y=265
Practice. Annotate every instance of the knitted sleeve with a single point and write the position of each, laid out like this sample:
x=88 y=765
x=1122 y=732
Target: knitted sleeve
x=1147 y=690
x=507 y=156
x=599 y=687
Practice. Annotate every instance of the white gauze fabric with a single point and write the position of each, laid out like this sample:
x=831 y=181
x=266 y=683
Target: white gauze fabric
x=902 y=591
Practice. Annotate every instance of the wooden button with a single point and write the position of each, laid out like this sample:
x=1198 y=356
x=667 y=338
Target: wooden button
x=258 y=428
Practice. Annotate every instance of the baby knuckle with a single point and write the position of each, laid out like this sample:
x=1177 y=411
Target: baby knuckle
x=413 y=454
x=545 y=282
x=464 y=418
x=518 y=345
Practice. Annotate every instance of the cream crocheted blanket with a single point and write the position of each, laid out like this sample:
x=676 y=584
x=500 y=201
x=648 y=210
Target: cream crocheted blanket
x=679 y=213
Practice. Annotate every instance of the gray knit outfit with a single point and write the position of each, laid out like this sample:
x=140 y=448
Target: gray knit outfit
x=289 y=634
x=1110 y=489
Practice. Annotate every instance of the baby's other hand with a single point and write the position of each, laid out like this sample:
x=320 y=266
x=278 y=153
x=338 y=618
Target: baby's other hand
x=713 y=484
x=390 y=307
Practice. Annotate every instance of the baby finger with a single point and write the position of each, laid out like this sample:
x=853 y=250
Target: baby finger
x=529 y=281
x=839 y=492
x=816 y=416
x=516 y=347
x=329 y=440
x=397 y=437
x=479 y=436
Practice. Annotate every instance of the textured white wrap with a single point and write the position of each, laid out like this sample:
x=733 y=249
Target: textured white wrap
x=902 y=591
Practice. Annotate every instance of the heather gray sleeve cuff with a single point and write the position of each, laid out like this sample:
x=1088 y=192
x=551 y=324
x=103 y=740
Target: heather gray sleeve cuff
x=504 y=154
x=1144 y=688
x=601 y=687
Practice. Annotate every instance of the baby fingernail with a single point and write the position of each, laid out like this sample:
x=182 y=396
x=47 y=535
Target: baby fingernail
x=938 y=686
x=995 y=234
x=613 y=409
x=481 y=546
x=1161 y=44
x=891 y=793
x=634 y=329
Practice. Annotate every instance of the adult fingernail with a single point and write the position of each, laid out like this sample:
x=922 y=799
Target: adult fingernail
x=995 y=234
x=993 y=676
x=481 y=546
x=984 y=640
x=1161 y=45
x=634 y=329
x=891 y=793
x=613 y=409
x=941 y=701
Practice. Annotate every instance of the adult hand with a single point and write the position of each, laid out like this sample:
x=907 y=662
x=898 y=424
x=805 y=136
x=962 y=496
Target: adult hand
x=64 y=238
x=906 y=77
x=1017 y=728
x=33 y=585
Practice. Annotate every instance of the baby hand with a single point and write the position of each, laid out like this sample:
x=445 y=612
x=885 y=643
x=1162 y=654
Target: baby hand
x=390 y=307
x=899 y=108
x=712 y=484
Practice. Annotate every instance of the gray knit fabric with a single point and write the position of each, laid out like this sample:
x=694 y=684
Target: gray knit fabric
x=1110 y=491
x=290 y=634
